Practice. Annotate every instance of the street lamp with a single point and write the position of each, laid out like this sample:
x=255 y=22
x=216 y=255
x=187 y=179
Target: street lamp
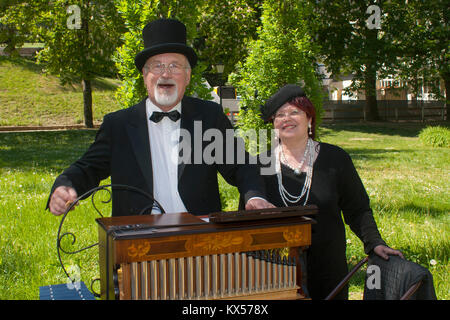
x=219 y=68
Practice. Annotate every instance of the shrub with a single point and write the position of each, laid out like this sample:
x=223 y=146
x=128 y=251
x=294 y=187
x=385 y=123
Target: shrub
x=136 y=15
x=436 y=136
x=276 y=59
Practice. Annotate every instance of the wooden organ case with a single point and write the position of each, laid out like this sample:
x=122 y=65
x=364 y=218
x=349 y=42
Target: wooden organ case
x=181 y=256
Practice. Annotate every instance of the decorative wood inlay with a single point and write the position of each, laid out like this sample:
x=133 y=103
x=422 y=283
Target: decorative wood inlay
x=211 y=243
x=218 y=241
x=293 y=235
x=138 y=250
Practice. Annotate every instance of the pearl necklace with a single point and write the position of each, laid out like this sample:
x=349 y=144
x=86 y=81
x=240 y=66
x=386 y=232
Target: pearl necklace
x=297 y=170
x=285 y=195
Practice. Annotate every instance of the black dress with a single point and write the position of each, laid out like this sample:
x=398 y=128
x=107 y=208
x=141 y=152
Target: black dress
x=336 y=187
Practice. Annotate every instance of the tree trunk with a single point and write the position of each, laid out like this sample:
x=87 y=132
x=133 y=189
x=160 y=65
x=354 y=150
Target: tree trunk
x=87 y=102
x=86 y=83
x=446 y=73
x=447 y=95
x=371 y=95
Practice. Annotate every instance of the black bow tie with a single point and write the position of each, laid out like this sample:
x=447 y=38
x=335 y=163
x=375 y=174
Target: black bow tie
x=157 y=116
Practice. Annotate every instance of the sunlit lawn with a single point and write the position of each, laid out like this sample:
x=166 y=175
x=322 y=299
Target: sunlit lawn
x=408 y=184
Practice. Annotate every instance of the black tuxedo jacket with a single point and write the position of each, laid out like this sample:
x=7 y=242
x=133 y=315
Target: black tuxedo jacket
x=122 y=150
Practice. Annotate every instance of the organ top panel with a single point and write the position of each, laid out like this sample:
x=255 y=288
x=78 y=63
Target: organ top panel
x=152 y=226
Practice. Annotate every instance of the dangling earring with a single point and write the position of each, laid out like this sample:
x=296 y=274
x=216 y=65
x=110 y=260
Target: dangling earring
x=310 y=131
x=277 y=136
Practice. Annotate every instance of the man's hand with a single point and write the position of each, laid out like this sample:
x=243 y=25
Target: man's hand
x=258 y=203
x=61 y=198
x=385 y=252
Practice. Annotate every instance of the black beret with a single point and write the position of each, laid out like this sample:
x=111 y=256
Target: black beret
x=285 y=94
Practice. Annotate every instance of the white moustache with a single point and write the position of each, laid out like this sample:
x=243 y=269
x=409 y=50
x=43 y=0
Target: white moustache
x=166 y=81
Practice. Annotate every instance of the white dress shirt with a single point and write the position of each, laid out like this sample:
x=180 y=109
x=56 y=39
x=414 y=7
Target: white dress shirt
x=164 y=143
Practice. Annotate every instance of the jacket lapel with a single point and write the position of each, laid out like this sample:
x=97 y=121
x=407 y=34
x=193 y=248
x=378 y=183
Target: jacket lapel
x=137 y=129
x=189 y=114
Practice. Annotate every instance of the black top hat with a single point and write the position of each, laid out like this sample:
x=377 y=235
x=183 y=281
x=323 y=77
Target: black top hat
x=275 y=102
x=163 y=36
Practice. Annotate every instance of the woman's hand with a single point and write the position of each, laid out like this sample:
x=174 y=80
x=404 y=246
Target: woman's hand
x=258 y=203
x=385 y=252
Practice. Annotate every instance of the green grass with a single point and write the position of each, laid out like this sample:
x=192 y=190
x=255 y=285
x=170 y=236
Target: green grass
x=30 y=98
x=407 y=182
x=29 y=162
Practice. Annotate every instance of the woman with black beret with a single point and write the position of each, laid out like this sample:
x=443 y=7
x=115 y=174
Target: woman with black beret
x=312 y=172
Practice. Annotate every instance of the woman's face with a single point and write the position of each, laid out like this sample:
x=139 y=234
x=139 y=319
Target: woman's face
x=291 y=122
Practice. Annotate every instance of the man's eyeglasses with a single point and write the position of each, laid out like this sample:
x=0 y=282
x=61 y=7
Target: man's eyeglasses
x=158 y=68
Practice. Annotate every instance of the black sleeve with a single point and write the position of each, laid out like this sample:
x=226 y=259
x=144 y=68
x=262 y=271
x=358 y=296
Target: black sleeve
x=94 y=166
x=355 y=205
x=243 y=170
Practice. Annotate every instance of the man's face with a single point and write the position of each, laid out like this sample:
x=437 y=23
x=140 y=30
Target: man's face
x=166 y=87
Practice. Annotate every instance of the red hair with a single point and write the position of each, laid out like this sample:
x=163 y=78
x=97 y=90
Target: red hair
x=304 y=104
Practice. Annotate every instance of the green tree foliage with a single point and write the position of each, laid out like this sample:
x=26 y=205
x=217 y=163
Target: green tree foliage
x=355 y=40
x=225 y=29
x=409 y=42
x=80 y=38
x=15 y=26
x=423 y=34
x=136 y=15
x=282 y=54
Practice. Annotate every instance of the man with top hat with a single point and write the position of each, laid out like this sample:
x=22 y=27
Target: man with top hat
x=135 y=146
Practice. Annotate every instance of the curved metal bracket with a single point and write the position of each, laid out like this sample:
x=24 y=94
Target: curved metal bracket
x=92 y=193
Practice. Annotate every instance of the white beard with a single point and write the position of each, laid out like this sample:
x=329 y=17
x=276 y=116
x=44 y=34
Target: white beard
x=164 y=99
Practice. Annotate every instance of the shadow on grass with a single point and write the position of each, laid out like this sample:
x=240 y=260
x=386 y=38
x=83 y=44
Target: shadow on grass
x=373 y=154
x=55 y=149
x=406 y=129
x=368 y=154
x=100 y=83
x=43 y=151
x=26 y=63
x=421 y=210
